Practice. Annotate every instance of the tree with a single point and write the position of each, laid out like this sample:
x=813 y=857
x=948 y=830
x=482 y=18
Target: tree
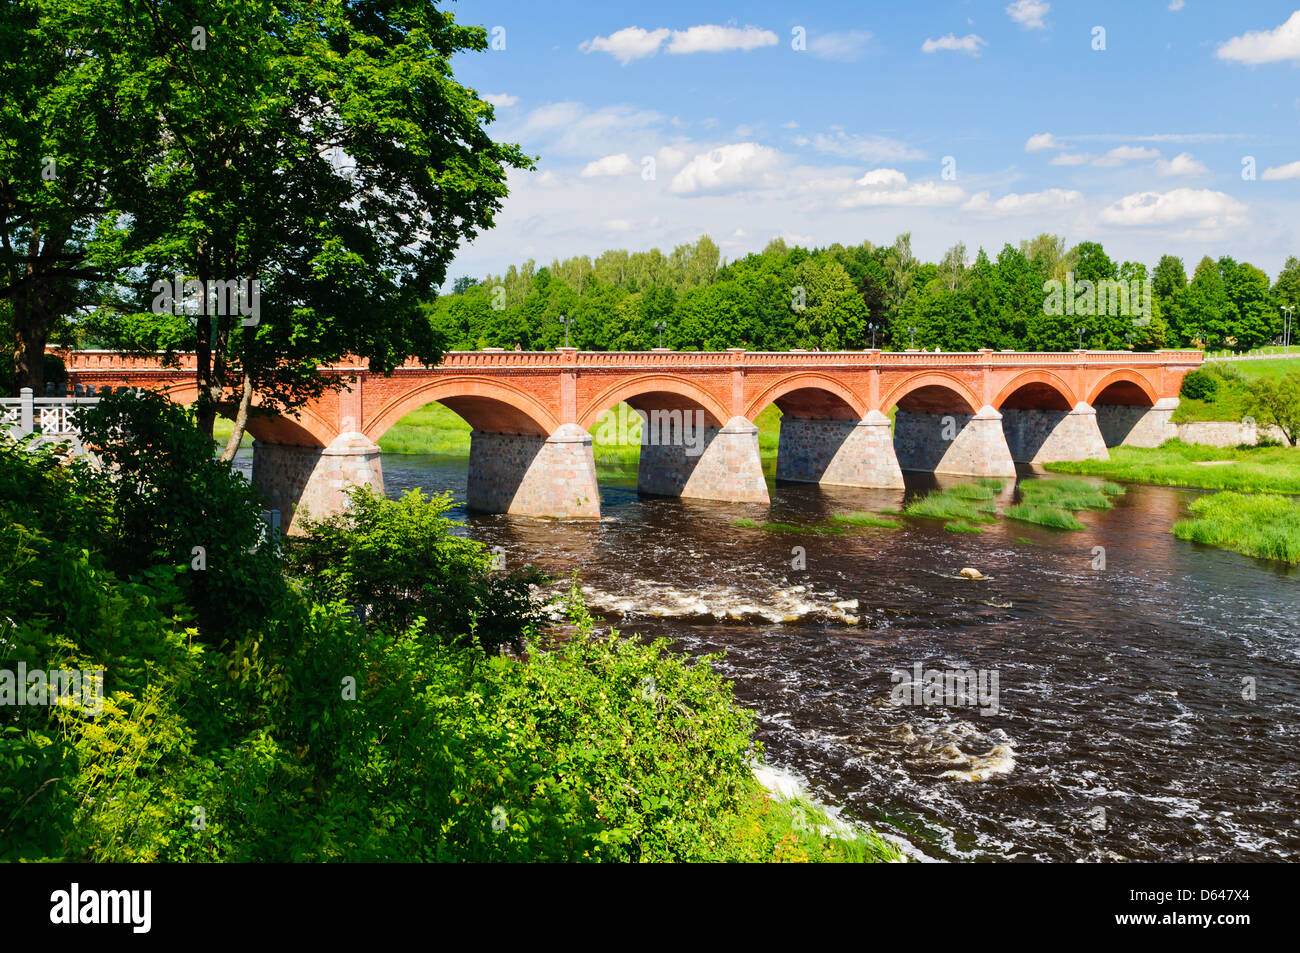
x=1251 y=317
x=1277 y=401
x=953 y=267
x=71 y=125
x=1168 y=287
x=1206 y=304
x=324 y=151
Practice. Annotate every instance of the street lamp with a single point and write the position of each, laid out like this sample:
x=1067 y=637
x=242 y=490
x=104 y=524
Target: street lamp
x=912 y=330
x=1287 y=312
x=873 y=335
x=659 y=326
x=1081 y=329
x=568 y=323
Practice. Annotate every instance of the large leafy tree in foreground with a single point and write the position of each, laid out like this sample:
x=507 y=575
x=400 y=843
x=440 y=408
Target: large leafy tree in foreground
x=321 y=149
x=324 y=150
x=72 y=125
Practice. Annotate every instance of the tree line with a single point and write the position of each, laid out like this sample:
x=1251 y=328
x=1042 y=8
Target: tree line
x=847 y=297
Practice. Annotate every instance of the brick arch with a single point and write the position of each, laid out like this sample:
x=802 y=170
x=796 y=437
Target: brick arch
x=931 y=379
x=1043 y=378
x=305 y=428
x=485 y=404
x=1129 y=377
x=844 y=404
x=677 y=391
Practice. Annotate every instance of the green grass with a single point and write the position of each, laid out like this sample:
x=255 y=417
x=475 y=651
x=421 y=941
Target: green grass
x=865 y=520
x=1263 y=525
x=1174 y=463
x=223 y=428
x=433 y=429
x=961 y=526
x=772 y=527
x=1051 y=516
x=1069 y=495
x=951 y=504
x=975 y=491
x=773 y=829
x=1232 y=402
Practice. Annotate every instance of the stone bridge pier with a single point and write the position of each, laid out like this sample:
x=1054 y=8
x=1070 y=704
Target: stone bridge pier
x=852 y=419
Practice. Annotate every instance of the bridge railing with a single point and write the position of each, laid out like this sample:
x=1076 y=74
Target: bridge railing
x=149 y=367
x=54 y=417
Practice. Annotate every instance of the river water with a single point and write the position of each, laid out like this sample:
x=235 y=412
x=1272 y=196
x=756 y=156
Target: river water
x=1122 y=730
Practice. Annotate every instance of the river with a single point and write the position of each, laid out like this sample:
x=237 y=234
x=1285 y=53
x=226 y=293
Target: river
x=1121 y=731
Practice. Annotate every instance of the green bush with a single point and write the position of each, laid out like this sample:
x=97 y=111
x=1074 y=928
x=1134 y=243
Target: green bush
x=400 y=559
x=1200 y=384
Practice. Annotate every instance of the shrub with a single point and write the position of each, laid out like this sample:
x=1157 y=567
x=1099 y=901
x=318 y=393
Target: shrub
x=400 y=559
x=1200 y=384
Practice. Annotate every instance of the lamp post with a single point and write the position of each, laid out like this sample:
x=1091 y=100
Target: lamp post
x=1287 y=312
x=873 y=335
x=912 y=331
x=659 y=326
x=1080 y=329
x=568 y=323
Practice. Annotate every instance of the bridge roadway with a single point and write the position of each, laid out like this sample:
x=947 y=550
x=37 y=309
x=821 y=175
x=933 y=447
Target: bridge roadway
x=532 y=414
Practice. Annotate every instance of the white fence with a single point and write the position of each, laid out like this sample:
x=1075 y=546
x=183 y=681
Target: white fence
x=53 y=418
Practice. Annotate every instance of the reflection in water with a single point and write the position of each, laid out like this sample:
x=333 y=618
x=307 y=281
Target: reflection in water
x=1121 y=732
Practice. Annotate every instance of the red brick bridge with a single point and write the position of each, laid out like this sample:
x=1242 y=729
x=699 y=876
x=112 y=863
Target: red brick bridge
x=532 y=412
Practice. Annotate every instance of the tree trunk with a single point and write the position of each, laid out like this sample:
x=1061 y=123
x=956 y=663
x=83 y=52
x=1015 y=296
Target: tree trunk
x=241 y=419
x=31 y=331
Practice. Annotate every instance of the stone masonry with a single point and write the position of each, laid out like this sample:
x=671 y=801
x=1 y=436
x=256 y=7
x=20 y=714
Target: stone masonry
x=967 y=444
x=839 y=452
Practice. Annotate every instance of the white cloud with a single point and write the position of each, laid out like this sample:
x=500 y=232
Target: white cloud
x=791 y=124
x=500 y=99
x=845 y=46
x=1208 y=208
x=1182 y=164
x=730 y=168
x=1071 y=158
x=883 y=179
x=1023 y=203
x=1029 y=13
x=618 y=225
x=571 y=129
x=720 y=39
x=1121 y=154
x=620 y=164
x=890 y=187
x=1289 y=171
x=866 y=148
x=970 y=43
x=1175 y=5
x=1041 y=141
x=630 y=43
x=1265 y=46
x=670 y=157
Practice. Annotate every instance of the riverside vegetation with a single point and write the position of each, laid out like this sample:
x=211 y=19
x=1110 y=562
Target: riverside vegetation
x=250 y=714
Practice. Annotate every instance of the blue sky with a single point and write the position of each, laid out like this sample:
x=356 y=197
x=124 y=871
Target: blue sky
x=982 y=122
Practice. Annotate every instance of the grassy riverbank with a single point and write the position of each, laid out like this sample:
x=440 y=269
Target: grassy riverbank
x=1263 y=525
x=1245 y=469
x=1231 y=400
